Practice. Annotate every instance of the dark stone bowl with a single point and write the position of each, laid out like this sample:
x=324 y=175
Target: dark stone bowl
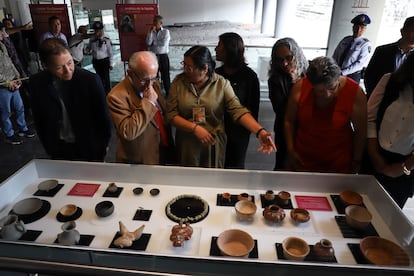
x=104 y=208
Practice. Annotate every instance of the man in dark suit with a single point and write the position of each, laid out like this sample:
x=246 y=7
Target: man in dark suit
x=69 y=107
x=387 y=58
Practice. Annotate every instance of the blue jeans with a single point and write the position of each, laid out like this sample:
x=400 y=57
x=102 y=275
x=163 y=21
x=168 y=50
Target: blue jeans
x=9 y=100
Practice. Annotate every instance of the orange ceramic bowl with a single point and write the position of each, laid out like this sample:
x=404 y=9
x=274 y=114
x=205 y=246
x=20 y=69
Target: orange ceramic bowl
x=349 y=197
x=380 y=251
x=235 y=243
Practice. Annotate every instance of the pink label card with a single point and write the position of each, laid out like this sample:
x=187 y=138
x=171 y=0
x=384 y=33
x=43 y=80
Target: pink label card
x=84 y=189
x=318 y=203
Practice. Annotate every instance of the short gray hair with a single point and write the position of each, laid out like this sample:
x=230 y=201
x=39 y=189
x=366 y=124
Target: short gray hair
x=323 y=70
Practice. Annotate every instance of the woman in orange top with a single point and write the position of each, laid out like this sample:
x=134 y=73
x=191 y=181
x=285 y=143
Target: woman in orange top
x=326 y=121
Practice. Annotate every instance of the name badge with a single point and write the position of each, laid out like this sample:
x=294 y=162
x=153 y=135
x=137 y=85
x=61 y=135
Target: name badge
x=199 y=115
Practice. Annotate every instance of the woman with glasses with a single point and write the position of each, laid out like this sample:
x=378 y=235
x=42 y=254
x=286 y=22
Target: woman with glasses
x=230 y=51
x=198 y=99
x=326 y=121
x=287 y=65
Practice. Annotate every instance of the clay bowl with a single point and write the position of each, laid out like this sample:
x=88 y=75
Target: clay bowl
x=283 y=197
x=299 y=215
x=104 y=208
x=380 y=251
x=68 y=210
x=295 y=248
x=245 y=209
x=349 y=197
x=47 y=185
x=357 y=217
x=235 y=243
x=27 y=206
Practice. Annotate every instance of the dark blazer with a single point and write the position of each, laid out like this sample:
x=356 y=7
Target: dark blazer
x=84 y=98
x=381 y=62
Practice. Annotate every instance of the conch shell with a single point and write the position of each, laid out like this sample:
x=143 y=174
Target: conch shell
x=127 y=238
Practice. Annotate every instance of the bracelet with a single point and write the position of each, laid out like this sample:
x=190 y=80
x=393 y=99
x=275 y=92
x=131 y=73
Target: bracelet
x=194 y=128
x=405 y=170
x=258 y=132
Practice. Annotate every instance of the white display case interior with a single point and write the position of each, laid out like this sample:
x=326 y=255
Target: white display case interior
x=154 y=252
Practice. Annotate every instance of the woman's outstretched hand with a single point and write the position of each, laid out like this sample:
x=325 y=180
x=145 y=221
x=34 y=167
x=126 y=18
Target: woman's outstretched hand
x=266 y=142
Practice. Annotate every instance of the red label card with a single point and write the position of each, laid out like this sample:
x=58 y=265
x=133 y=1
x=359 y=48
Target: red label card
x=84 y=189
x=319 y=203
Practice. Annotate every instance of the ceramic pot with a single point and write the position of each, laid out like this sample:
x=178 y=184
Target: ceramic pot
x=324 y=250
x=112 y=187
x=274 y=213
x=283 y=197
x=244 y=196
x=181 y=233
x=70 y=235
x=226 y=198
x=11 y=228
x=269 y=195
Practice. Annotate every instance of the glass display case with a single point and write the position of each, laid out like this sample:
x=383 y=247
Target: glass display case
x=140 y=195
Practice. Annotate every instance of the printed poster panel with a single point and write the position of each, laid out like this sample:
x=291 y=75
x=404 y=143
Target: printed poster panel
x=134 y=20
x=40 y=14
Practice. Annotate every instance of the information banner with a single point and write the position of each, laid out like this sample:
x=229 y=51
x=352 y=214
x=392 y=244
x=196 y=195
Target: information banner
x=134 y=20
x=40 y=14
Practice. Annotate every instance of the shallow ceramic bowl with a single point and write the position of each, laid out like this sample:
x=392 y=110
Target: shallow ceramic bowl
x=235 y=243
x=295 y=248
x=349 y=197
x=380 y=251
x=104 y=208
x=27 y=206
x=47 y=185
x=300 y=215
x=68 y=210
x=357 y=217
x=245 y=209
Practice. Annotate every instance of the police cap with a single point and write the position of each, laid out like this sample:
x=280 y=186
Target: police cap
x=361 y=19
x=97 y=25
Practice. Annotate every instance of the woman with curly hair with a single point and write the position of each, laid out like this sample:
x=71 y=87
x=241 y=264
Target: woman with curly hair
x=287 y=65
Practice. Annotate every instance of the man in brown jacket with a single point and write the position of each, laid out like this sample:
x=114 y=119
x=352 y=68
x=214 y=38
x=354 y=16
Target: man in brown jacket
x=136 y=106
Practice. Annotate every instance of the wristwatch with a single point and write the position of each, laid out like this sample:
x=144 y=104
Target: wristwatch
x=405 y=170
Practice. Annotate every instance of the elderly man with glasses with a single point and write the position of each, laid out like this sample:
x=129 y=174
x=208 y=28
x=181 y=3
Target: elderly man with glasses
x=137 y=106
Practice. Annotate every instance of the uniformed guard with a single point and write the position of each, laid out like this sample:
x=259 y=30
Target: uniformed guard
x=352 y=52
x=100 y=47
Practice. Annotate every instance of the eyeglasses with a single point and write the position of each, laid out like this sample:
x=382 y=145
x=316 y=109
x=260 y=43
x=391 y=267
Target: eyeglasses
x=187 y=67
x=288 y=58
x=145 y=81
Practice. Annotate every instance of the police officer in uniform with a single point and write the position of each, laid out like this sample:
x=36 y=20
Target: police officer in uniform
x=100 y=47
x=352 y=52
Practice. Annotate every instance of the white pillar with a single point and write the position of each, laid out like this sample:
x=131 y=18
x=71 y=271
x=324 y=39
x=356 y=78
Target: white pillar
x=284 y=13
x=342 y=14
x=258 y=10
x=268 y=16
